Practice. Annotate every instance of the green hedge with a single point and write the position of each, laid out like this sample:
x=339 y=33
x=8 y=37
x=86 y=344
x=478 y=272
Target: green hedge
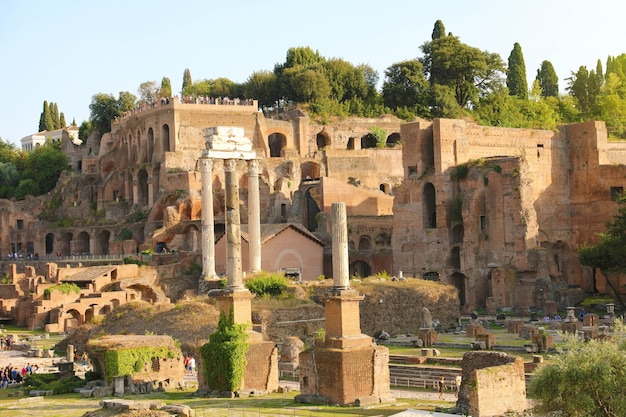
x=131 y=361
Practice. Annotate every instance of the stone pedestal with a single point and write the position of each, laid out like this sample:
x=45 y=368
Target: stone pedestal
x=240 y=302
x=428 y=337
x=346 y=367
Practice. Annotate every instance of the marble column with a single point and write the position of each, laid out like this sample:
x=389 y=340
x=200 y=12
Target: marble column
x=208 y=224
x=254 y=217
x=339 y=231
x=233 y=227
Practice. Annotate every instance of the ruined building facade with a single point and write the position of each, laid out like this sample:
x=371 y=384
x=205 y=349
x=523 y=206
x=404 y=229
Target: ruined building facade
x=500 y=213
x=138 y=187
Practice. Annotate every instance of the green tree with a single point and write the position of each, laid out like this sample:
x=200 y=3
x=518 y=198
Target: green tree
x=62 y=124
x=578 y=88
x=439 y=31
x=466 y=71
x=261 y=85
x=104 y=108
x=9 y=179
x=45 y=120
x=405 y=86
x=54 y=112
x=187 y=82
x=223 y=87
x=85 y=130
x=44 y=166
x=584 y=379
x=26 y=187
x=516 y=73
x=548 y=80
x=166 y=88
x=148 y=92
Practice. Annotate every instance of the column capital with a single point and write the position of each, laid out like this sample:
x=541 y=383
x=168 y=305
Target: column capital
x=230 y=165
x=206 y=164
x=253 y=167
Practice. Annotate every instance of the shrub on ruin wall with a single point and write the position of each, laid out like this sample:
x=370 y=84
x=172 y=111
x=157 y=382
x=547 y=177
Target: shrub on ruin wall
x=131 y=361
x=64 y=288
x=224 y=356
x=273 y=284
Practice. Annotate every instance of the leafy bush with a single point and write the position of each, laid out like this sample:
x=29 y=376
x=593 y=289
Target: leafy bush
x=52 y=382
x=224 y=356
x=131 y=361
x=65 y=288
x=135 y=261
x=265 y=283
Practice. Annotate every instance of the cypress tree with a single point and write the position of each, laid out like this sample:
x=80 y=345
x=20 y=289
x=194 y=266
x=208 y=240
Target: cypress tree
x=62 y=121
x=55 y=116
x=46 y=121
x=548 y=80
x=166 y=88
x=186 y=80
x=516 y=74
x=74 y=121
x=439 y=30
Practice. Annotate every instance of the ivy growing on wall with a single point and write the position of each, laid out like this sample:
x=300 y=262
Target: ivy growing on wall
x=118 y=362
x=224 y=356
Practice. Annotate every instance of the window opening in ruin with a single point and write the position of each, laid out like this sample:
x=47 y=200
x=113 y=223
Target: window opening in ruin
x=365 y=243
x=455 y=258
x=283 y=212
x=322 y=141
x=483 y=224
x=540 y=145
x=49 y=243
x=412 y=170
x=616 y=192
x=368 y=141
x=20 y=224
x=156 y=365
x=30 y=248
x=431 y=276
x=350 y=146
x=430 y=209
x=276 y=143
x=393 y=140
x=385 y=188
x=360 y=269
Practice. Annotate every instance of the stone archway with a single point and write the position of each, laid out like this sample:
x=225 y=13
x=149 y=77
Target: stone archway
x=311 y=208
x=142 y=187
x=360 y=269
x=458 y=280
x=65 y=246
x=49 y=243
x=322 y=140
x=310 y=170
x=102 y=243
x=165 y=138
x=81 y=244
x=368 y=141
x=393 y=139
x=365 y=243
x=276 y=142
x=429 y=210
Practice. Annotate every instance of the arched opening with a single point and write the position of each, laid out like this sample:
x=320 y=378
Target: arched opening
x=191 y=240
x=150 y=144
x=455 y=258
x=102 y=243
x=393 y=139
x=310 y=170
x=385 y=188
x=165 y=138
x=458 y=233
x=65 y=244
x=430 y=209
x=75 y=316
x=89 y=314
x=104 y=310
x=458 y=280
x=156 y=172
x=49 y=243
x=365 y=243
x=141 y=292
x=360 y=269
x=276 y=143
x=368 y=141
x=350 y=145
x=312 y=208
x=81 y=244
x=142 y=187
x=322 y=140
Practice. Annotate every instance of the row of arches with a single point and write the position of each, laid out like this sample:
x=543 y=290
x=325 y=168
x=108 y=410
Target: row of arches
x=141 y=150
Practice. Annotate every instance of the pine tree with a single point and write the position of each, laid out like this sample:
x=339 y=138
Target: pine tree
x=166 y=88
x=439 y=30
x=186 y=80
x=516 y=74
x=62 y=124
x=548 y=80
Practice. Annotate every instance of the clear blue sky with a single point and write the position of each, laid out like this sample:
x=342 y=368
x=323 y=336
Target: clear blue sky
x=68 y=50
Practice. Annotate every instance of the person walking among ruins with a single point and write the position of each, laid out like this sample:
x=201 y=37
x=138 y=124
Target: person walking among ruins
x=192 y=366
x=441 y=386
x=457 y=383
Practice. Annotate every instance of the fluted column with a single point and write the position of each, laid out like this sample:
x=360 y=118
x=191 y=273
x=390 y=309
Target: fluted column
x=208 y=224
x=341 y=269
x=233 y=227
x=254 y=217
